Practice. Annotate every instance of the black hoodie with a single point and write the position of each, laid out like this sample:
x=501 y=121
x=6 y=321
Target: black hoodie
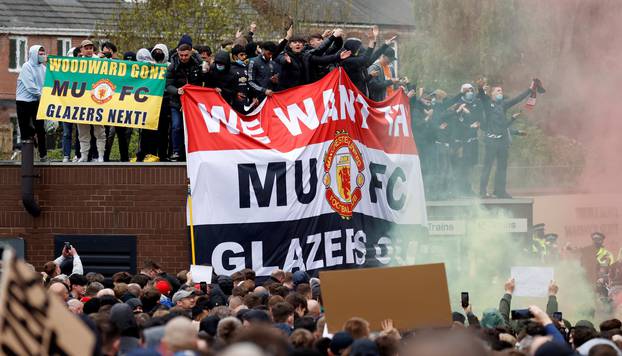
x=223 y=79
x=356 y=65
x=293 y=73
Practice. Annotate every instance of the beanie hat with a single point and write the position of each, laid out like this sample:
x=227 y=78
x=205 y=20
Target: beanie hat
x=185 y=39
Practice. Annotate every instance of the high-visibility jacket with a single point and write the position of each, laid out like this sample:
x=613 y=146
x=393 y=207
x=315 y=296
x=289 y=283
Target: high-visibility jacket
x=604 y=257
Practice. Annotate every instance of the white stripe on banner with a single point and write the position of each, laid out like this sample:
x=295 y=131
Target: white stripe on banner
x=236 y=186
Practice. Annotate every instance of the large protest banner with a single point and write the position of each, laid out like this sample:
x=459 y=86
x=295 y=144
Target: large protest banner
x=102 y=92
x=33 y=322
x=318 y=177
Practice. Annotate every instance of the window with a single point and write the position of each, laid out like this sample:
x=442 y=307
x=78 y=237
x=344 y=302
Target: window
x=63 y=45
x=18 y=53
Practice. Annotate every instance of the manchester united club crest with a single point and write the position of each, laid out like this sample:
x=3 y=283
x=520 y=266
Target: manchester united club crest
x=102 y=91
x=341 y=160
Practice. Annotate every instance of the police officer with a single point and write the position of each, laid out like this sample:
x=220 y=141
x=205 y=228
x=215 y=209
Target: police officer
x=603 y=256
x=551 y=247
x=538 y=242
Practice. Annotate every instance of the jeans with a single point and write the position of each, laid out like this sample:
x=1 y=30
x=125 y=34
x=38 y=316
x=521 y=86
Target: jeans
x=177 y=131
x=67 y=136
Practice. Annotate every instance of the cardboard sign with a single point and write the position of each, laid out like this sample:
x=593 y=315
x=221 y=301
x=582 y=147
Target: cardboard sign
x=413 y=296
x=33 y=322
x=201 y=273
x=532 y=281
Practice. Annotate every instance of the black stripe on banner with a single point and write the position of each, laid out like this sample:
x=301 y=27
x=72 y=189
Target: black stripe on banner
x=319 y=243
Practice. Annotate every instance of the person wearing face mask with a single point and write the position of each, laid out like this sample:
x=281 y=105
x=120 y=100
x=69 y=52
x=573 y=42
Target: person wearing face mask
x=109 y=50
x=497 y=136
x=241 y=100
x=467 y=116
x=153 y=144
x=220 y=77
x=27 y=97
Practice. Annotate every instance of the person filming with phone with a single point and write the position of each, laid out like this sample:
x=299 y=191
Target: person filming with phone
x=69 y=256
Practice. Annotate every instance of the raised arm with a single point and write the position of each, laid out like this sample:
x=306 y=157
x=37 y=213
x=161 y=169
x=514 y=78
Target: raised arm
x=511 y=102
x=505 y=304
x=552 y=306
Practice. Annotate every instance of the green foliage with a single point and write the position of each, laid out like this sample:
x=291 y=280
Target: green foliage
x=145 y=23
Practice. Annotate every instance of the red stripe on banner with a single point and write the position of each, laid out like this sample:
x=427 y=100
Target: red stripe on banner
x=297 y=117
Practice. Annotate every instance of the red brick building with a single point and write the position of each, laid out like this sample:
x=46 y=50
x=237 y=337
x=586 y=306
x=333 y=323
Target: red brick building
x=57 y=25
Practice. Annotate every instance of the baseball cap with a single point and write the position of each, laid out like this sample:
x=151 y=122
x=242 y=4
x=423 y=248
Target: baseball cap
x=86 y=43
x=181 y=294
x=341 y=341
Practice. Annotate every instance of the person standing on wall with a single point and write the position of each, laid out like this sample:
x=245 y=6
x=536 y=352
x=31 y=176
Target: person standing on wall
x=27 y=97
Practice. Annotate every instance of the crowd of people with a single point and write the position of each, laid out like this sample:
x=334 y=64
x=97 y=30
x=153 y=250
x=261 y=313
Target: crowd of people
x=156 y=313
x=448 y=129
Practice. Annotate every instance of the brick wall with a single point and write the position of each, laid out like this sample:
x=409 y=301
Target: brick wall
x=147 y=201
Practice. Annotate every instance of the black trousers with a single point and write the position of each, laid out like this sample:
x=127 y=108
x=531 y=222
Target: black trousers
x=495 y=150
x=29 y=126
x=464 y=157
x=441 y=174
x=124 y=134
x=155 y=142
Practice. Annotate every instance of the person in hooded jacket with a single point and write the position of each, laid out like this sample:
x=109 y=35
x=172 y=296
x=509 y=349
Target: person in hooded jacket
x=296 y=62
x=319 y=45
x=122 y=316
x=356 y=65
x=153 y=144
x=220 y=76
x=28 y=95
x=185 y=68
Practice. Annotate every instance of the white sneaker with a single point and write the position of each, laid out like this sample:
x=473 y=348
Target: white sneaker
x=83 y=159
x=100 y=159
x=66 y=159
x=75 y=159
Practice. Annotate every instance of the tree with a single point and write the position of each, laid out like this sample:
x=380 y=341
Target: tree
x=144 y=23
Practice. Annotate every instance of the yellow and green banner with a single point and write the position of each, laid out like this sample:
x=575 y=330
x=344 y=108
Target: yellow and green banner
x=98 y=91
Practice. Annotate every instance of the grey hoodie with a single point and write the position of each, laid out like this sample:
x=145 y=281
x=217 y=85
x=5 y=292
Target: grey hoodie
x=143 y=55
x=31 y=77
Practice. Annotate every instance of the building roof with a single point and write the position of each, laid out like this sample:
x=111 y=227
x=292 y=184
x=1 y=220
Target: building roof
x=54 y=16
x=355 y=12
x=78 y=17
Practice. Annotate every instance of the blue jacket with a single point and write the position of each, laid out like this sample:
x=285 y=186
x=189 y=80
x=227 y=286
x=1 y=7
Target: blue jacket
x=31 y=77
